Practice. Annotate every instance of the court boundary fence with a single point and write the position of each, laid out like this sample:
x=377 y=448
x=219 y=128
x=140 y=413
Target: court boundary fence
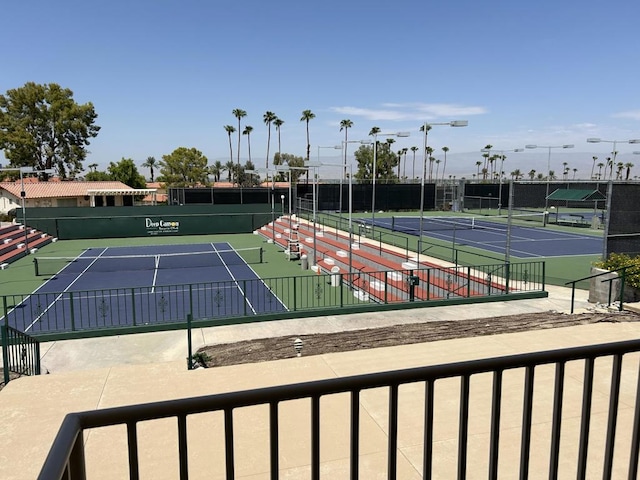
x=59 y=315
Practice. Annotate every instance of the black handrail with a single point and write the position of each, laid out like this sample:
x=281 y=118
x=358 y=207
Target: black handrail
x=610 y=280
x=66 y=457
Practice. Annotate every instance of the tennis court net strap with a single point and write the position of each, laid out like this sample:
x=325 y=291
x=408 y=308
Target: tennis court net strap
x=132 y=263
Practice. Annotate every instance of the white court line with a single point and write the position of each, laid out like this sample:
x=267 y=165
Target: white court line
x=261 y=280
x=65 y=290
x=244 y=295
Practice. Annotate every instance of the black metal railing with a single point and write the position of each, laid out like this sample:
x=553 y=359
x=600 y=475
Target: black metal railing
x=66 y=457
x=20 y=353
x=41 y=313
x=623 y=273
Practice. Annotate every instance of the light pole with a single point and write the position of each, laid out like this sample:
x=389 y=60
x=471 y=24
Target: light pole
x=375 y=162
x=427 y=126
x=546 y=198
x=614 y=152
x=309 y=164
x=502 y=157
x=335 y=147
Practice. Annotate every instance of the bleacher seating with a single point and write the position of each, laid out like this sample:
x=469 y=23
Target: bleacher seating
x=14 y=242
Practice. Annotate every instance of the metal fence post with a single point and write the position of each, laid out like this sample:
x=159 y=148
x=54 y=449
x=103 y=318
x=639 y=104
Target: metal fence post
x=72 y=313
x=133 y=306
x=5 y=353
x=189 y=343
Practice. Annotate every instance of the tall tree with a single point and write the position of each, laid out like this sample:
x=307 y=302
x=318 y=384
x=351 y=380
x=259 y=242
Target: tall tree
x=268 y=118
x=150 y=163
x=414 y=149
x=278 y=122
x=247 y=131
x=404 y=165
x=593 y=166
x=184 y=167
x=239 y=113
x=600 y=165
x=386 y=161
x=478 y=165
x=125 y=171
x=216 y=170
x=93 y=167
x=444 y=165
x=307 y=115
x=41 y=126
x=345 y=125
x=230 y=168
x=628 y=166
x=230 y=129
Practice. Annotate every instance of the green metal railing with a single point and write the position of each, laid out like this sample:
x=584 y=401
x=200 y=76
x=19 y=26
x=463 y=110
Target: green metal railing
x=42 y=313
x=20 y=353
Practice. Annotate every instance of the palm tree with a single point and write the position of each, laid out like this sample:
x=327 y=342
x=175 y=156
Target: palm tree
x=516 y=174
x=532 y=174
x=149 y=163
x=438 y=170
x=307 y=115
x=404 y=168
x=478 y=165
x=268 y=117
x=593 y=166
x=216 y=170
x=414 y=149
x=278 y=122
x=230 y=129
x=399 y=161
x=444 y=165
x=600 y=165
x=619 y=167
x=610 y=167
x=575 y=170
x=230 y=167
x=487 y=154
x=247 y=131
x=239 y=113
x=628 y=166
x=346 y=125
x=93 y=167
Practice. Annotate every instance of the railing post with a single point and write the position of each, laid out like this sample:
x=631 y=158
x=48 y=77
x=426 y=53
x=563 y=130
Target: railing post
x=507 y=270
x=72 y=312
x=295 y=294
x=189 y=343
x=573 y=294
x=5 y=309
x=5 y=353
x=244 y=296
x=624 y=274
x=133 y=306
x=341 y=290
x=386 y=287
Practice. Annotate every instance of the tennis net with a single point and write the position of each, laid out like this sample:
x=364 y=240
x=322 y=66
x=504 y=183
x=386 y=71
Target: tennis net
x=411 y=224
x=132 y=263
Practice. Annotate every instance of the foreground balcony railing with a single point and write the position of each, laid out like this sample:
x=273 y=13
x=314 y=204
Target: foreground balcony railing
x=569 y=383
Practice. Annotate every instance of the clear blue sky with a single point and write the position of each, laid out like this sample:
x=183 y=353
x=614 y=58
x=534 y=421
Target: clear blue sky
x=164 y=74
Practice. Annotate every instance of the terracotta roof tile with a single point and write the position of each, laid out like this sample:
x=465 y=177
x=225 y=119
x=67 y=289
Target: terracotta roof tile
x=59 y=189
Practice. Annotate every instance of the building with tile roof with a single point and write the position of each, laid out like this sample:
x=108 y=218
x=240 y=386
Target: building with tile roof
x=67 y=194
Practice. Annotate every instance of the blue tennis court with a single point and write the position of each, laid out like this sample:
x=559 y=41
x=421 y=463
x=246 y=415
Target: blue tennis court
x=126 y=286
x=532 y=241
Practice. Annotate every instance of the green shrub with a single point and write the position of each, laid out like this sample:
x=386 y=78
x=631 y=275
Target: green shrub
x=619 y=260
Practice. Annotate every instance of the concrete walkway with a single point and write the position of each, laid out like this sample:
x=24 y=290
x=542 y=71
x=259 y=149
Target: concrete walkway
x=113 y=371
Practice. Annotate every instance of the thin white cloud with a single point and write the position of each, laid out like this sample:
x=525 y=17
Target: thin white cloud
x=411 y=111
x=633 y=114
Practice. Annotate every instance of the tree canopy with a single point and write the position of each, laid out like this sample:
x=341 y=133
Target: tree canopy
x=184 y=167
x=125 y=171
x=387 y=160
x=41 y=126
